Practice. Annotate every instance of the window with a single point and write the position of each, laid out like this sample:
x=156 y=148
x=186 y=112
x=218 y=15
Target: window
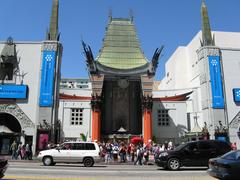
x=205 y=146
x=79 y=146
x=192 y=147
x=90 y=146
x=66 y=146
x=163 y=117
x=76 y=116
x=83 y=146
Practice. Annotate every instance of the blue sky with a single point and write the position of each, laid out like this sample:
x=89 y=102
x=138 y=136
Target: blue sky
x=158 y=22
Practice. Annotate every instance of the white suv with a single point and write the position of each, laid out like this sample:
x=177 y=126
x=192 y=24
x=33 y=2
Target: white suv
x=71 y=152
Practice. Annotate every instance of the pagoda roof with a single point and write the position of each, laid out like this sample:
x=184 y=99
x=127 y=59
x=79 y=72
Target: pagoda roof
x=121 y=48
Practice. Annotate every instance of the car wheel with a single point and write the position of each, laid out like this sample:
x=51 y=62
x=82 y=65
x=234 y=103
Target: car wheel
x=47 y=161
x=88 y=162
x=173 y=164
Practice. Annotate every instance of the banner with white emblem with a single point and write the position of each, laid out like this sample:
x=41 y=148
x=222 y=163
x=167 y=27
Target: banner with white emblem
x=47 y=79
x=216 y=82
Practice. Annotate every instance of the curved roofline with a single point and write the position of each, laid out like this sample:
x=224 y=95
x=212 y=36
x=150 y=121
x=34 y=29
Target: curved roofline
x=131 y=71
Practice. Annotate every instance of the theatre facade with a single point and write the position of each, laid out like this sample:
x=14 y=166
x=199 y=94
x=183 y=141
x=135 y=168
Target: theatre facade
x=197 y=99
x=119 y=102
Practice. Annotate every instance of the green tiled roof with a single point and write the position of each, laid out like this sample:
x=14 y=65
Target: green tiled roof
x=121 y=48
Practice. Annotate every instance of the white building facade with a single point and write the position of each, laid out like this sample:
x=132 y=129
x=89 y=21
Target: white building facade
x=186 y=70
x=29 y=89
x=29 y=92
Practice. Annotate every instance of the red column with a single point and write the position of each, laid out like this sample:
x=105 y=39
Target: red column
x=96 y=125
x=147 y=125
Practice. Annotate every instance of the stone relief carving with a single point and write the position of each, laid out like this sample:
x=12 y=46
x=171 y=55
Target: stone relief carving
x=14 y=110
x=235 y=122
x=50 y=46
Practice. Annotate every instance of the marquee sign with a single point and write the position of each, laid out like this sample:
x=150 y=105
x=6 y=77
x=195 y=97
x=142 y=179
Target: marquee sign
x=216 y=82
x=13 y=91
x=47 y=79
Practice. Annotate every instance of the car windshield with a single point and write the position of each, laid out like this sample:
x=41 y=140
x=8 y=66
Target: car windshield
x=232 y=155
x=179 y=147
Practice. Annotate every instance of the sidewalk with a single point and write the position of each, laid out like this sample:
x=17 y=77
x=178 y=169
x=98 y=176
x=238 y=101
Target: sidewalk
x=9 y=158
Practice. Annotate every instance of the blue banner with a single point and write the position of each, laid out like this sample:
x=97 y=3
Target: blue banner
x=13 y=91
x=236 y=94
x=47 y=79
x=216 y=82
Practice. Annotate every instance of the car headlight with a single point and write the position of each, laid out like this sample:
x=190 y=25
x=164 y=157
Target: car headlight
x=163 y=154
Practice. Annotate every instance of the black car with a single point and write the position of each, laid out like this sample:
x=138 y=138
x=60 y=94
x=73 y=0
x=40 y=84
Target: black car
x=226 y=166
x=195 y=153
x=3 y=167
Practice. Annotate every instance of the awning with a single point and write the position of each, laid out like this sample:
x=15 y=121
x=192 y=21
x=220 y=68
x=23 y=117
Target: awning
x=5 y=129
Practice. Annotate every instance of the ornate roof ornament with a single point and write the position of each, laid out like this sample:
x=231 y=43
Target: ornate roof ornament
x=53 y=33
x=207 y=38
x=110 y=15
x=89 y=58
x=154 y=62
x=131 y=15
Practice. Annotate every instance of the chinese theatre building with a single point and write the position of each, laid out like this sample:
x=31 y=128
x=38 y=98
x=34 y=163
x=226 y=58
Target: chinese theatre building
x=122 y=82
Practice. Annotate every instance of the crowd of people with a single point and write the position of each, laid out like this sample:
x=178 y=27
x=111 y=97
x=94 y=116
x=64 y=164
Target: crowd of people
x=21 y=151
x=137 y=153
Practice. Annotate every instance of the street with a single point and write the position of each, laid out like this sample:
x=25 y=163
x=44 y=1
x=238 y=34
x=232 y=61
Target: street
x=35 y=170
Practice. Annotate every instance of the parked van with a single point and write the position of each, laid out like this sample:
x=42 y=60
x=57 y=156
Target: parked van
x=195 y=153
x=71 y=152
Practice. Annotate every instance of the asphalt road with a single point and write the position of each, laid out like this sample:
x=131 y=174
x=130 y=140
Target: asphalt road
x=36 y=171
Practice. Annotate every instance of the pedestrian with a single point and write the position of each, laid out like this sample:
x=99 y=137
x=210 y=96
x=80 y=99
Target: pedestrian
x=122 y=152
x=19 y=150
x=139 y=155
x=133 y=151
x=146 y=155
x=28 y=152
x=170 y=145
x=23 y=151
x=108 y=157
x=234 y=146
x=13 y=148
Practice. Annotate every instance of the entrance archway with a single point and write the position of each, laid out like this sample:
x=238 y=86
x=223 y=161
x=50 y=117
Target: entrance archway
x=10 y=130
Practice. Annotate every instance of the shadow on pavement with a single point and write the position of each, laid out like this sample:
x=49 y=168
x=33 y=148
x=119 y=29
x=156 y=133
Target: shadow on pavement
x=77 y=165
x=186 y=169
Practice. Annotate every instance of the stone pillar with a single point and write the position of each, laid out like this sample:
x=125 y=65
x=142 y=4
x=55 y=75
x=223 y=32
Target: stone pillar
x=147 y=119
x=96 y=118
x=210 y=114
